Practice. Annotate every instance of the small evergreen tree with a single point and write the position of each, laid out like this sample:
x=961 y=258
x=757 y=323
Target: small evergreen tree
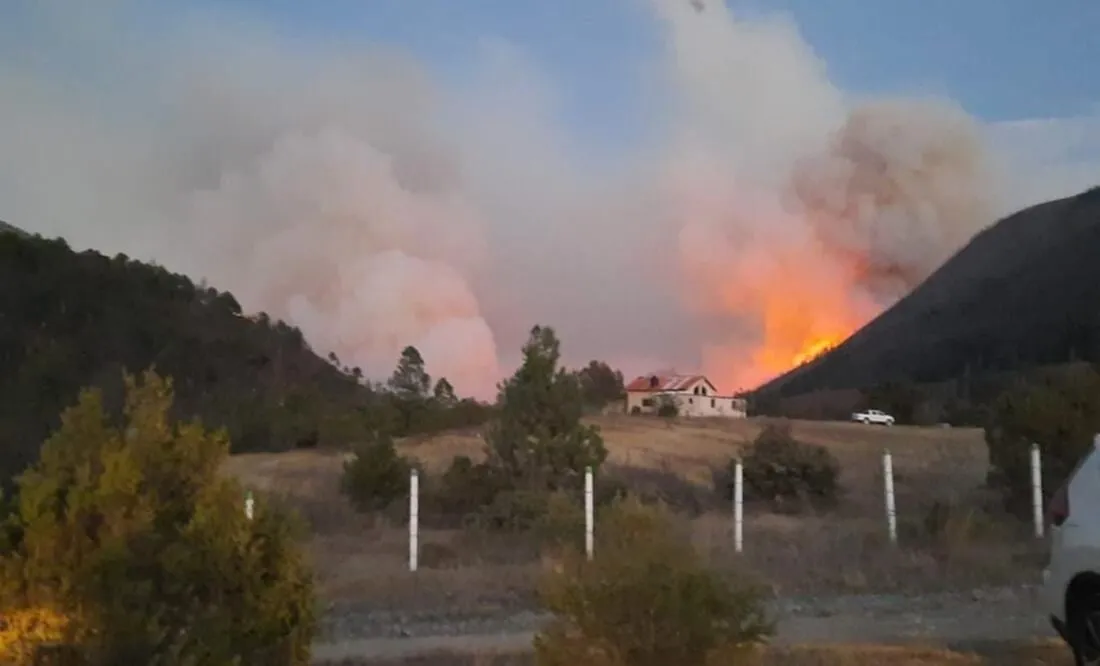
x=1058 y=411
x=600 y=384
x=444 y=393
x=538 y=438
x=376 y=476
x=410 y=379
x=128 y=532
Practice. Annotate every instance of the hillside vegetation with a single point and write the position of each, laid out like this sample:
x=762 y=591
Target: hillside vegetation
x=70 y=320
x=1022 y=293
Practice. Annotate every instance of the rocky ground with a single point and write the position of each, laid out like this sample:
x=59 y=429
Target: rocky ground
x=357 y=631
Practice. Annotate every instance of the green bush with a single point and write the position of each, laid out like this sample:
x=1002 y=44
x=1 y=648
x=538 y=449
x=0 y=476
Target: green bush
x=1058 y=410
x=131 y=535
x=464 y=489
x=644 y=600
x=668 y=410
x=790 y=474
x=376 y=476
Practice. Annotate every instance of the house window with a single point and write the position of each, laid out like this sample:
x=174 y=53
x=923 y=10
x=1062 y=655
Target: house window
x=691 y=401
x=695 y=390
x=647 y=402
x=733 y=403
x=703 y=390
x=712 y=403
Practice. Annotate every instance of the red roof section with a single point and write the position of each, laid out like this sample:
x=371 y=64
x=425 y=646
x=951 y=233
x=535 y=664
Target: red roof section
x=659 y=383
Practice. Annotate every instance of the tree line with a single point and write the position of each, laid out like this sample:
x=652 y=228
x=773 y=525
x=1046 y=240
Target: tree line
x=71 y=320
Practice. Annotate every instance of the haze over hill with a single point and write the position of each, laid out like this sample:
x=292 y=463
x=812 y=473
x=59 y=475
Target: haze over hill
x=1022 y=293
x=351 y=191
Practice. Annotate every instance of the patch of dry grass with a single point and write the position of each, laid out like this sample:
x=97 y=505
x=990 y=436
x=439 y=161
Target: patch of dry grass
x=843 y=550
x=1042 y=653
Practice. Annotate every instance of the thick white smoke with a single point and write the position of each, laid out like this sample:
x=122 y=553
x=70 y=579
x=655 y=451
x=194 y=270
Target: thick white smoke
x=344 y=189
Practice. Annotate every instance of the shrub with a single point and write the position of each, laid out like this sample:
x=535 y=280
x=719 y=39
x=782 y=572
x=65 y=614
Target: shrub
x=26 y=631
x=1060 y=412
x=780 y=469
x=668 y=410
x=465 y=488
x=376 y=476
x=129 y=533
x=644 y=600
x=651 y=486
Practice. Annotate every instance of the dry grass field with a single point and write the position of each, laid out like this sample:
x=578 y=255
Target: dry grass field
x=843 y=550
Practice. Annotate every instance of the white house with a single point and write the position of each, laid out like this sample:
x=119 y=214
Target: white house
x=693 y=395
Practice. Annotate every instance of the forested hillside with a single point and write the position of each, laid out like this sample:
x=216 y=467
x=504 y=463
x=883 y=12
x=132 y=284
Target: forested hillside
x=70 y=320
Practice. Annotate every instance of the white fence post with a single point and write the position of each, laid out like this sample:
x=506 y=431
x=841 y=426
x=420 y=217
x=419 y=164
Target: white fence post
x=249 y=505
x=1037 y=490
x=888 y=483
x=738 y=507
x=414 y=519
x=589 y=542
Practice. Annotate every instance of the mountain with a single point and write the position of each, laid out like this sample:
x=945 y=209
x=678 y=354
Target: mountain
x=70 y=320
x=1023 y=292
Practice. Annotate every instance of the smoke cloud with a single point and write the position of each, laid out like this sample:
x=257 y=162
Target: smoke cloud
x=765 y=217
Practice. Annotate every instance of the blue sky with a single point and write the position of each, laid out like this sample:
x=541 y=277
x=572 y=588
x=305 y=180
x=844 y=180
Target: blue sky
x=1002 y=59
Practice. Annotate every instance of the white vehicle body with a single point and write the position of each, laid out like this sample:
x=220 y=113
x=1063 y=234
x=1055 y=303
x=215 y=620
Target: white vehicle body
x=1071 y=581
x=873 y=416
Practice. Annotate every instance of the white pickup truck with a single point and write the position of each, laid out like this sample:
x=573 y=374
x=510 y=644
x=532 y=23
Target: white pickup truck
x=874 y=416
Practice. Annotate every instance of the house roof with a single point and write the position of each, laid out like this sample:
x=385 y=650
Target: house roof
x=657 y=383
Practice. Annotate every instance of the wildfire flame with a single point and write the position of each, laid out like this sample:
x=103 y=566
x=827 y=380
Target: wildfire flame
x=814 y=349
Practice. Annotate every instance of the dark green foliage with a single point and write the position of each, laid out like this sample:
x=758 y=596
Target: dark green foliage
x=668 y=409
x=536 y=446
x=1060 y=411
x=646 y=600
x=376 y=476
x=70 y=320
x=538 y=439
x=410 y=380
x=131 y=534
x=600 y=384
x=901 y=399
x=780 y=469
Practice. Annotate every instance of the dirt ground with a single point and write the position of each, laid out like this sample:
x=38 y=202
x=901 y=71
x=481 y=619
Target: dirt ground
x=1039 y=653
x=835 y=576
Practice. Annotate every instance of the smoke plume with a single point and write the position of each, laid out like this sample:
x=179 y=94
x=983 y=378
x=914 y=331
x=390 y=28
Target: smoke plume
x=765 y=217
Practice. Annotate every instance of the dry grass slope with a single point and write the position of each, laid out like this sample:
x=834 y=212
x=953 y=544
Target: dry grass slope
x=845 y=550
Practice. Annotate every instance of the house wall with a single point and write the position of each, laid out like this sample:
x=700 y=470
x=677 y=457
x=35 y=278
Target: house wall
x=716 y=405
x=688 y=402
x=638 y=398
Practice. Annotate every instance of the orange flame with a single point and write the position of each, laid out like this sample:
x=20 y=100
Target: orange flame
x=799 y=305
x=814 y=349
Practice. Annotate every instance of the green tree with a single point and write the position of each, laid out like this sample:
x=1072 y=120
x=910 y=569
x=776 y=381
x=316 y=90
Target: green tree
x=410 y=380
x=780 y=469
x=1060 y=411
x=538 y=438
x=444 y=393
x=376 y=475
x=125 y=528
x=600 y=384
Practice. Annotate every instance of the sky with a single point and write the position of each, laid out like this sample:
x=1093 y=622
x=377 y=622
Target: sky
x=725 y=189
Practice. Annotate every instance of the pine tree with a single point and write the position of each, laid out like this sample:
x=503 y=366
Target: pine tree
x=539 y=439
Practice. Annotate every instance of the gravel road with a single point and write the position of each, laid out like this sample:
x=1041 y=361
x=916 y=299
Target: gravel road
x=950 y=619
